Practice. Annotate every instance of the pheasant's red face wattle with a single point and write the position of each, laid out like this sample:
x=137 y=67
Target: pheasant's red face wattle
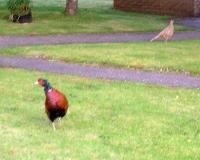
x=41 y=82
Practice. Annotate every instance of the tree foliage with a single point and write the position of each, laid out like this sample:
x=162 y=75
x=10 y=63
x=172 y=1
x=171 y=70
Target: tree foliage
x=19 y=7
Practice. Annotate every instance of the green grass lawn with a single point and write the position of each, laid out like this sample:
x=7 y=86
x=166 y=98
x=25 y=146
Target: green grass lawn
x=180 y=56
x=138 y=122
x=95 y=16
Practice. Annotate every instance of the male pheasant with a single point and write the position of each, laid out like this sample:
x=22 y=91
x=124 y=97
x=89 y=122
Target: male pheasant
x=56 y=104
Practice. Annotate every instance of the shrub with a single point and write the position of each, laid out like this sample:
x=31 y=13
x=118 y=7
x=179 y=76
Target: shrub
x=19 y=7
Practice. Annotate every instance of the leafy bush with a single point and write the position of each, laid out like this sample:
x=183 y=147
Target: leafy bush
x=19 y=7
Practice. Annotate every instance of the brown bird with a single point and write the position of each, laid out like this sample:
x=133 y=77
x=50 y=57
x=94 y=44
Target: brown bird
x=166 y=33
x=56 y=104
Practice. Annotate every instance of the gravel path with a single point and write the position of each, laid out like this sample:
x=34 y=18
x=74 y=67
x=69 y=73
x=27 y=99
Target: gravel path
x=6 y=41
x=171 y=80
x=190 y=22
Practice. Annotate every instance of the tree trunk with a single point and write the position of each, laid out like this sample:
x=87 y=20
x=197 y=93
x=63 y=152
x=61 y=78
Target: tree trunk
x=71 y=7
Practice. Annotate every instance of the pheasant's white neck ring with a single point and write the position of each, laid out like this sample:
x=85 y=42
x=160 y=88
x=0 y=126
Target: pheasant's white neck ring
x=47 y=87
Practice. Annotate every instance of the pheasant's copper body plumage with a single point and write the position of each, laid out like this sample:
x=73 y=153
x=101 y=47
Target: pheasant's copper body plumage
x=166 y=33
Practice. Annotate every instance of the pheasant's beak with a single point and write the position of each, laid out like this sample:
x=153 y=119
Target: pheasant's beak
x=36 y=83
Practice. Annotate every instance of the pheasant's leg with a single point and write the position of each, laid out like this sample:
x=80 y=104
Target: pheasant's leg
x=166 y=39
x=59 y=121
x=53 y=124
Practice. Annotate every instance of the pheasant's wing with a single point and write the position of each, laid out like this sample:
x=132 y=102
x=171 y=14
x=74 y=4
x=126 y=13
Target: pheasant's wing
x=158 y=35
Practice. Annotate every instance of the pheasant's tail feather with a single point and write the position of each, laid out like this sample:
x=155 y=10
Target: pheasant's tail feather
x=156 y=37
x=152 y=39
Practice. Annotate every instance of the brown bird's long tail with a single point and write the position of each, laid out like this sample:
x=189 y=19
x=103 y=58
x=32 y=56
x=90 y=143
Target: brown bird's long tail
x=156 y=37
